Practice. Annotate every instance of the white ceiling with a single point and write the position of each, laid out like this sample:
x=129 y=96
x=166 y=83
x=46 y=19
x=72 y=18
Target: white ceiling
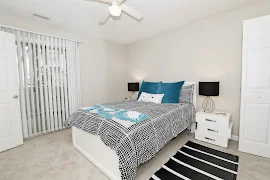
x=83 y=16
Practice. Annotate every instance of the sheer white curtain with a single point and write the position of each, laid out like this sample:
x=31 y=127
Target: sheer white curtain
x=49 y=80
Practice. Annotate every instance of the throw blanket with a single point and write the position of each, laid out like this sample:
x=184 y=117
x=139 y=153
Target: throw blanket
x=141 y=141
x=124 y=117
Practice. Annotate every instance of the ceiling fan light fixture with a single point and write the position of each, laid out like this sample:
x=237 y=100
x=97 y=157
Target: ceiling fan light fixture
x=115 y=10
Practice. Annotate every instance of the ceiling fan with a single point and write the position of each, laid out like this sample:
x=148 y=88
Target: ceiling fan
x=116 y=8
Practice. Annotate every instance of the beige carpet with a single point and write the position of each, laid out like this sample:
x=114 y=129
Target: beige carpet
x=52 y=157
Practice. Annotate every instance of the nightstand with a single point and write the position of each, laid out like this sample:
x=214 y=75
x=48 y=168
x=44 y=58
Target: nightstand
x=214 y=128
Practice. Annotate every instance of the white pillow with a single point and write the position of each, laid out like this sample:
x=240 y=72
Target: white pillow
x=154 y=98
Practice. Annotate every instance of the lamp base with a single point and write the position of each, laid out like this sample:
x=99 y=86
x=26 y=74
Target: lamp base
x=208 y=105
x=134 y=95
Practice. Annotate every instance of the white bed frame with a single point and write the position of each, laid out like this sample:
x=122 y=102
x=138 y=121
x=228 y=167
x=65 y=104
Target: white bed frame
x=102 y=156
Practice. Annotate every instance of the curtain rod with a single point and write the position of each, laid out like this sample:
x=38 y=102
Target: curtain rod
x=18 y=29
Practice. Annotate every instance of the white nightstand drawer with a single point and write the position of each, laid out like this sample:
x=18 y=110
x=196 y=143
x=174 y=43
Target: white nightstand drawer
x=209 y=138
x=213 y=119
x=215 y=130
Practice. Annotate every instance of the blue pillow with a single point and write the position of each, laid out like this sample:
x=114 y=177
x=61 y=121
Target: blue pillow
x=171 y=91
x=149 y=87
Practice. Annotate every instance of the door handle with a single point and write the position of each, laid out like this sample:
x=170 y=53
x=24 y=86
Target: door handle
x=15 y=97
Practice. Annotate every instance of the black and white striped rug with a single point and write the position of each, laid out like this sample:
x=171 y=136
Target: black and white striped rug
x=197 y=162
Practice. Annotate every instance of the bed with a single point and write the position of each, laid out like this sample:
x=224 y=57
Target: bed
x=117 y=150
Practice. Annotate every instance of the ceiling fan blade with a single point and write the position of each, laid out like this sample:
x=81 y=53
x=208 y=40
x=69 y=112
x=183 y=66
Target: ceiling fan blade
x=121 y=1
x=102 y=1
x=134 y=13
x=105 y=17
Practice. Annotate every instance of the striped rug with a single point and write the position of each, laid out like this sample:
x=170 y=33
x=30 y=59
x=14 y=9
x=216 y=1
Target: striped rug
x=197 y=162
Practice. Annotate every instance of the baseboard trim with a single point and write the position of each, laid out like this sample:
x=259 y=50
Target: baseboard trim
x=235 y=138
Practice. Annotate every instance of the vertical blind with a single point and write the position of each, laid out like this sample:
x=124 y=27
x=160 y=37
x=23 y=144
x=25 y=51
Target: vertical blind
x=49 y=80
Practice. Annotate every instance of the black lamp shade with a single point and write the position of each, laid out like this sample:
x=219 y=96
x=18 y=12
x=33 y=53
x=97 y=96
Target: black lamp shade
x=133 y=86
x=209 y=88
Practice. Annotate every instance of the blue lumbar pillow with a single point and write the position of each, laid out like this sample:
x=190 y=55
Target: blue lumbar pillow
x=149 y=87
x=171 y=91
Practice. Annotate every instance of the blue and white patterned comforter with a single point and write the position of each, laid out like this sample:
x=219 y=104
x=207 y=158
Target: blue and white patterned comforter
x=140 y=141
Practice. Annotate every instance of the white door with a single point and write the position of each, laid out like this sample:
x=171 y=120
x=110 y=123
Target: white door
x=255 y=97
x=10 y=115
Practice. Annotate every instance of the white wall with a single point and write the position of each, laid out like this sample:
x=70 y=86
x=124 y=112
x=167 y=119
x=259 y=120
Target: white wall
x=208 y=50
x=103 y=67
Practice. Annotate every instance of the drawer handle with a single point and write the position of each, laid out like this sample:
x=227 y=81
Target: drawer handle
x=209 y=139
x=212 y=130
x=210 y=120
